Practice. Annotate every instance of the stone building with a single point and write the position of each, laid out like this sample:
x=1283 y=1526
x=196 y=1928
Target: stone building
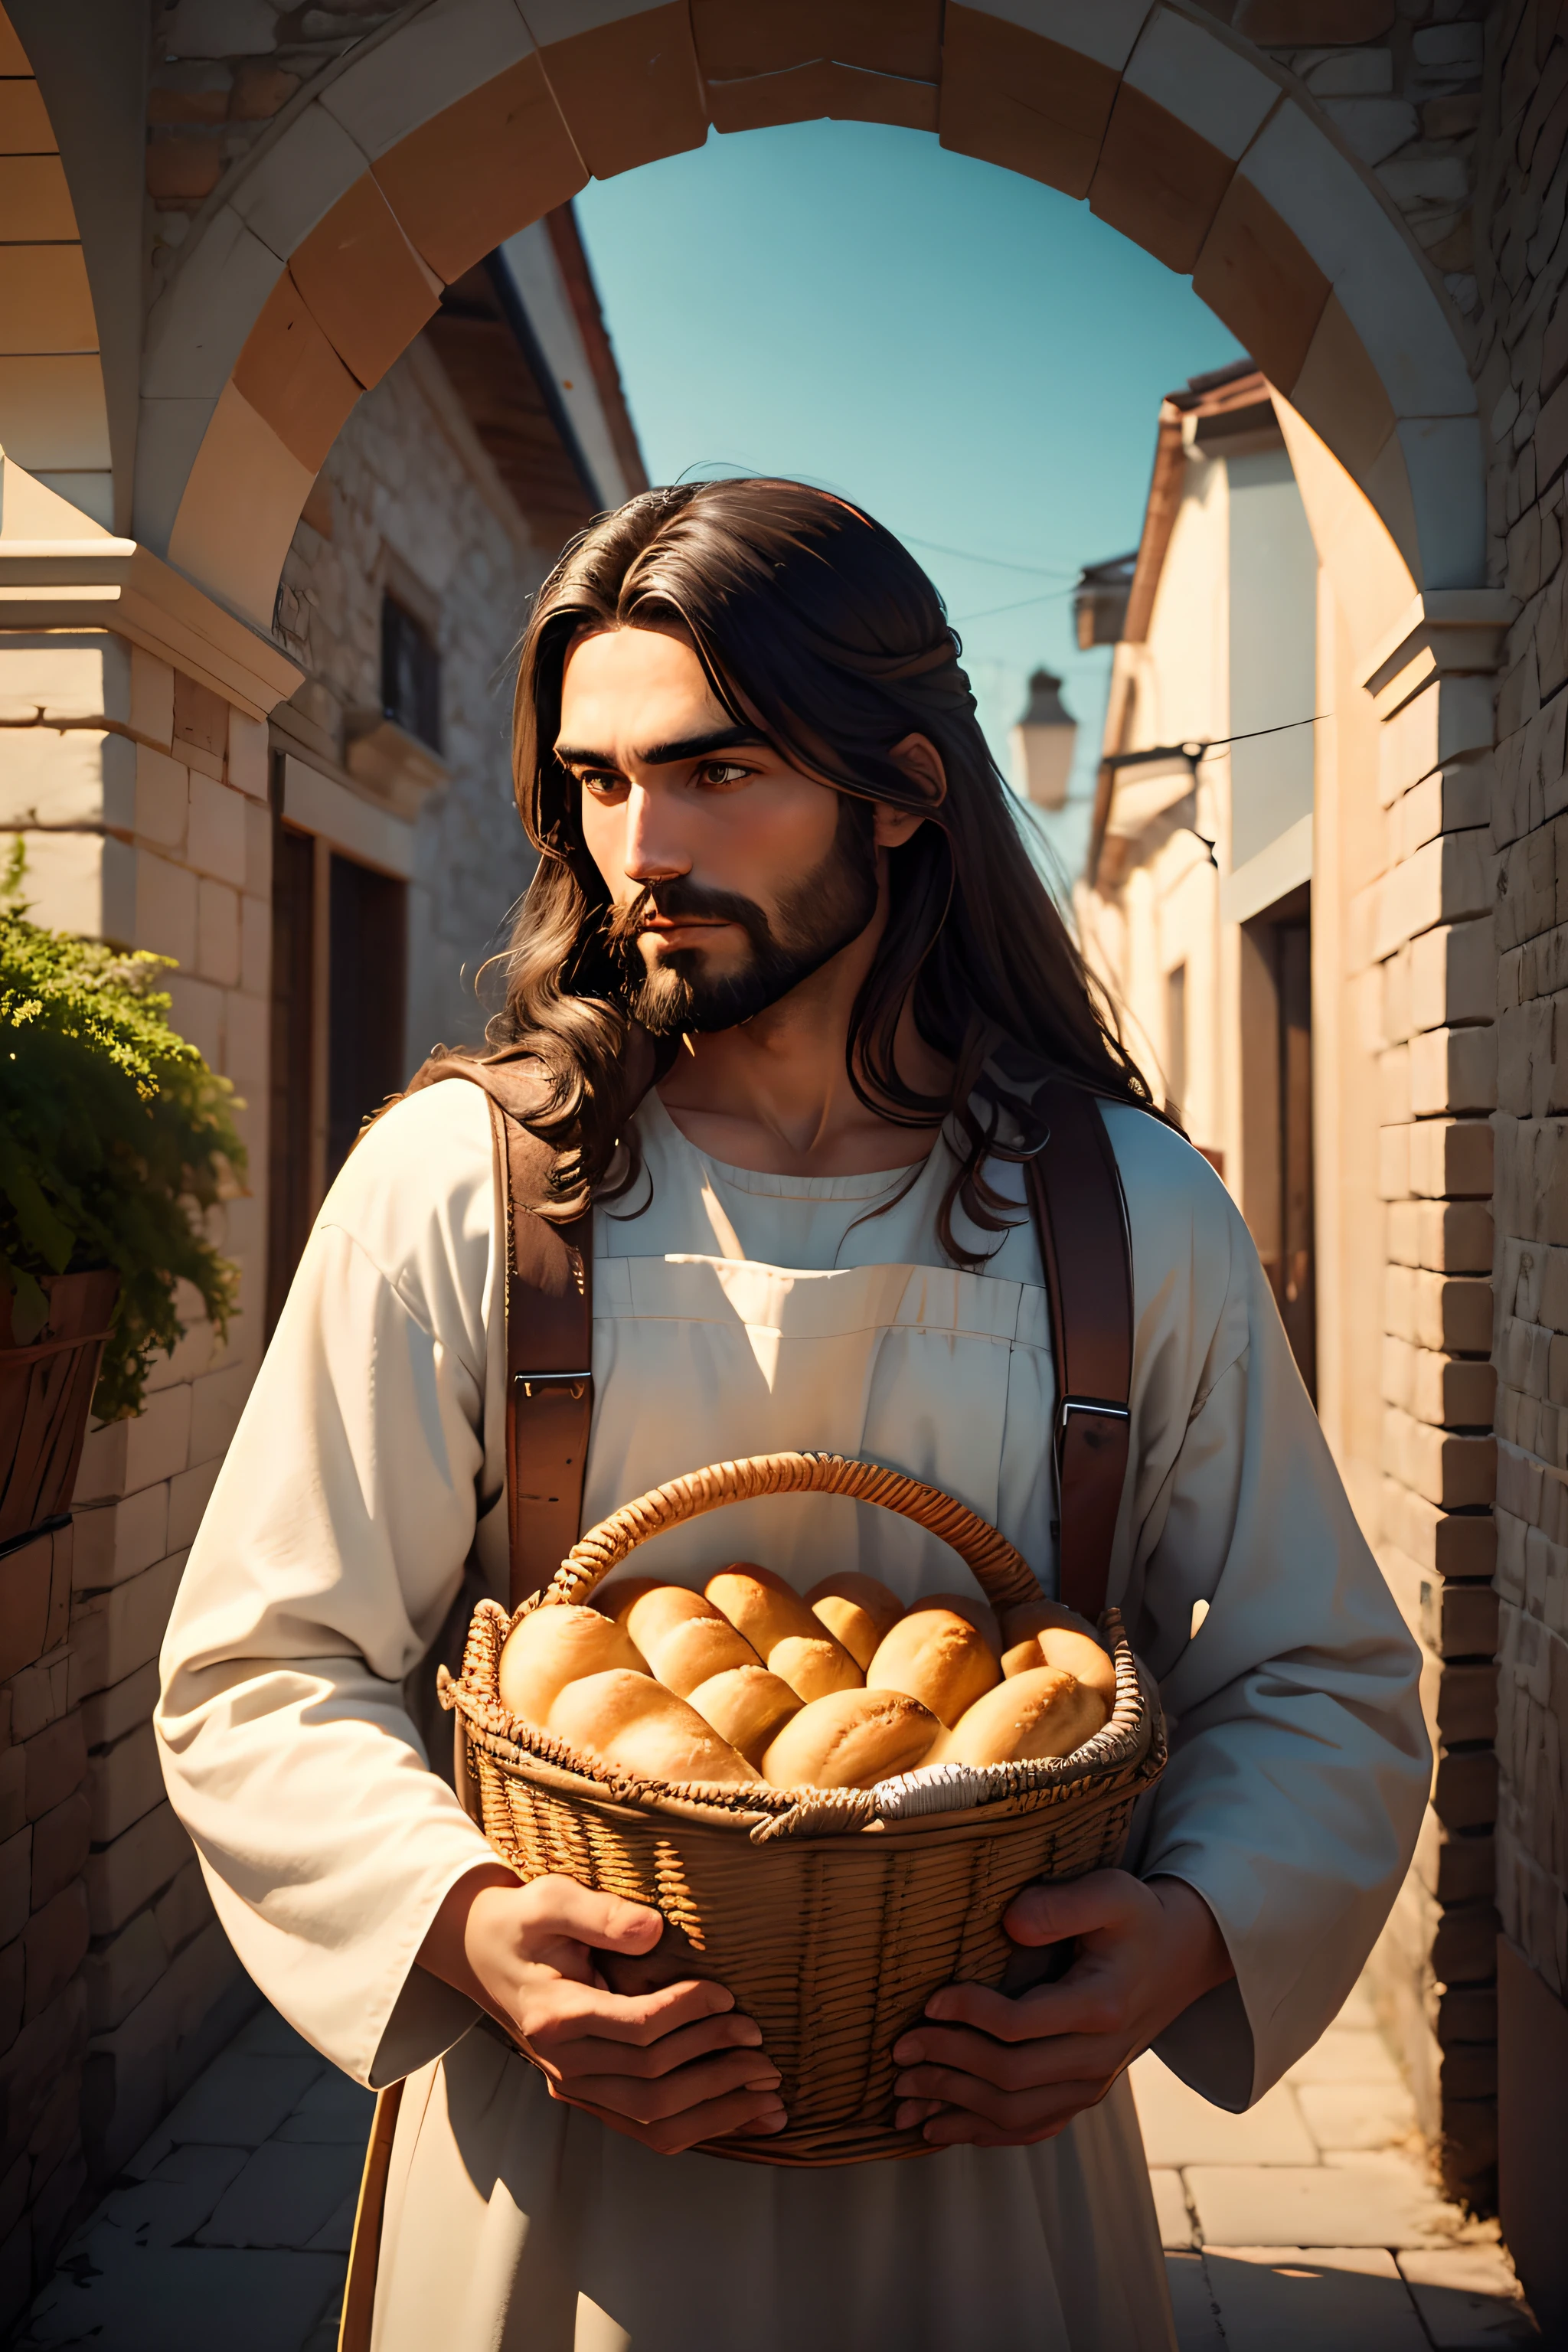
x=223 y=222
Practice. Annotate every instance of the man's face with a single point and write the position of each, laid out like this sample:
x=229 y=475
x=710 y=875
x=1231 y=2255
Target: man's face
x=732 y=875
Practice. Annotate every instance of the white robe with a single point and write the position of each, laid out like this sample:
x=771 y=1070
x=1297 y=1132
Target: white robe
x=740 y=1313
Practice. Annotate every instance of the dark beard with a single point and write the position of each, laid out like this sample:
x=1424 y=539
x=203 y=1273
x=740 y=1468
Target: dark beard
x=818 y=917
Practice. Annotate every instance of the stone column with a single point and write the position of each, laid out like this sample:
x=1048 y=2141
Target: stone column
x=1432 y=937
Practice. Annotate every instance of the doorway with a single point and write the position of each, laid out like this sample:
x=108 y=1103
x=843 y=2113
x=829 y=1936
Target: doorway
x=1277 y=1114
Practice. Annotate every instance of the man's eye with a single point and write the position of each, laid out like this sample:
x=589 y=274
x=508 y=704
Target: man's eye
x=721 y=771
x=603 y=783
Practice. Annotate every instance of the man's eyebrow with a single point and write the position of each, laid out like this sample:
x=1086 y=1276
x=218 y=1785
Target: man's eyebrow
x=664 y=755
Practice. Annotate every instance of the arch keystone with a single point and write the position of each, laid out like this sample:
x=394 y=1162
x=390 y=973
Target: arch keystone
x=625 y=77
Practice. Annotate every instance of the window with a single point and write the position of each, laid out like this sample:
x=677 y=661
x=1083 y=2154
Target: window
x=339 y=1013
x=1176 y=1038
x=410 y=673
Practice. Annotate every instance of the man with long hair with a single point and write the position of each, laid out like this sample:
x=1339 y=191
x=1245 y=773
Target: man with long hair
x=783 y=994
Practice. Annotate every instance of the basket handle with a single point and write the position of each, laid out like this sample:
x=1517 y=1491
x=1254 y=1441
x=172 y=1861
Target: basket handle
x=1002 y=1572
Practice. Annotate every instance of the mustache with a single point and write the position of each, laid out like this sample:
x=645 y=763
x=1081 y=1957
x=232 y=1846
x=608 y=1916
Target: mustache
x=680 y=895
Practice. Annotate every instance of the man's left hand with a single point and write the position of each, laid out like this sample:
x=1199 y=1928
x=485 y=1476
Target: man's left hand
x=1003 y=2073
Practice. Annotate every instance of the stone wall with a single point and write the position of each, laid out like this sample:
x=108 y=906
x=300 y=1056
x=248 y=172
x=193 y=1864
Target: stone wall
x=1522 y=274
x=116 y=1982
x=409 y=500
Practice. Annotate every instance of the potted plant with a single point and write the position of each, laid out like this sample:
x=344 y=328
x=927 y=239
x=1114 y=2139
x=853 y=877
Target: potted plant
x=114 y=1137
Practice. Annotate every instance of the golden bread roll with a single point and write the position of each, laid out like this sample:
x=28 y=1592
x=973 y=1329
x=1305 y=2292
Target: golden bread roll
x=1044 y=1633
x=857 y=1610
x=684 y=1638
x=629 y=1720
x=815 y=1663
x=850 y=1740
x=556 y=1645
x=974 y=1609
x=746 y=1706
x=1042 y=1712
x=614 y=1599
x=766 y=1612
x=938 y=1657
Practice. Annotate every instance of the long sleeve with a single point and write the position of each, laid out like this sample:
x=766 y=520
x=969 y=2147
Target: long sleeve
x=1299 y=1761
x=330 y=1555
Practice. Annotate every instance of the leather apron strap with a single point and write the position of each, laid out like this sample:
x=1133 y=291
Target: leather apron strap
x=1080 y=1215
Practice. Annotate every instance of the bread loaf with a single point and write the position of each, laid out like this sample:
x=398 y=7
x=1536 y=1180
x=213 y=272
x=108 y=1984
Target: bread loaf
x=615 y=1599
x=555 y=1645
x=684 y=1638
x=973 y=1609
x=631 y=1720
x=746 y=1706
x=769 y=1613
x=850 y=1740
x=1044 y=1633
x=857 y=1609
x=937 y=1657
x=1041 y=1712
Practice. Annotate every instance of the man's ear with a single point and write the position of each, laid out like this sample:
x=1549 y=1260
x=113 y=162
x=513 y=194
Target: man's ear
x=921 y=761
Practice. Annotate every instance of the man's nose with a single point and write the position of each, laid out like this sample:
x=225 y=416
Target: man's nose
x=653 y=851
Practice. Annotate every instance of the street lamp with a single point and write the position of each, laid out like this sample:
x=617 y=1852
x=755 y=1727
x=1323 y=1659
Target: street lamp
x=1043 y=742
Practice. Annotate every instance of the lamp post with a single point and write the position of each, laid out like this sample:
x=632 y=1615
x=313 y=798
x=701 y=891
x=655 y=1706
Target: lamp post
x=1043 y=742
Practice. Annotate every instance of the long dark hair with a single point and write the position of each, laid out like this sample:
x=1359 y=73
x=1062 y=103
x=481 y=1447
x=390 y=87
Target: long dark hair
x=812 y=624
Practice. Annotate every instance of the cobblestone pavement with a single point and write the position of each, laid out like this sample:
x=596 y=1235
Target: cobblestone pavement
x=1307 y=2225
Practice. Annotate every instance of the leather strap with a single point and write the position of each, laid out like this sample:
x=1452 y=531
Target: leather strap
x=549 y=1366
x=1080 y=1215
x=549 y=1330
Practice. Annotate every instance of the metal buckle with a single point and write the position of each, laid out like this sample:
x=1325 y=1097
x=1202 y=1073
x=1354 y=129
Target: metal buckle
x=574 y=1383
x=1091 y=1404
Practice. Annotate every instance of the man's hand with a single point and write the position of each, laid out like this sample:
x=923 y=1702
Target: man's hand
x=668 y=2068
x=1002 y=2072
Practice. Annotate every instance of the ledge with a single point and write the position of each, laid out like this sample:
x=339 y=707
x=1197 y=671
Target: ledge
x=1446 y=630
x=385 y=759
x=117 y=585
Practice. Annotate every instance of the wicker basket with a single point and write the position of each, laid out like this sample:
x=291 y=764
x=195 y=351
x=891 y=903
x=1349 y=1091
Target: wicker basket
x=832 y=1915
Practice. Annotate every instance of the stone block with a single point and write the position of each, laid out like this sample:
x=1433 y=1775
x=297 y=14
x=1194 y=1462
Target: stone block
x=124 y=1782
x=12 y=1801
x=1464 y=1790
x=118 y=1542
x=184 y=1908
x=1451 y=799
x=285 y=2195
x=166 y=917
x=1464 y=1698
x=1452 y=1070
x=1450 y=716
x=122 y=1970
x=114 y=1631
x=13 y=1984
x=107 y=1715
x=47 y=2046
x=247 y=1044
x=156 y=1440
x=24 y=1604
x=217 y=933
x=151 y=709
x=215 y=840
x=54 y=1943
x=55 y=1764
x=1451 y=1313
x=15 y=1884
x=1451 y=1159
x=1180 y=2127
x=1454 y=1392
x=162 y=799
x=60 y=1840
x=1454 y=975
x=247 y=754
x=1393 y=1163
x=136 y=1867
x=188 y=1498
x=254 y=946
x=1393 y=1096
x=1460 y=1620
x=218 y=1399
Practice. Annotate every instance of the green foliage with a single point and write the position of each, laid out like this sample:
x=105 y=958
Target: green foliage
x=114 y=1135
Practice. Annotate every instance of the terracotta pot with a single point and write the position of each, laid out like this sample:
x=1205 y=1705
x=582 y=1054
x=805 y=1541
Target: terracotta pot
x=45 y=1390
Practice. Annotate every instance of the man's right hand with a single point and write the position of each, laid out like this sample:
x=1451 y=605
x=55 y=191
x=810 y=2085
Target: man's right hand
x=668 y=2068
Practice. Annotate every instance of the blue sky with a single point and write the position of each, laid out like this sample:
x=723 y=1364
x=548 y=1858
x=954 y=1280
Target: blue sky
x=972 y=357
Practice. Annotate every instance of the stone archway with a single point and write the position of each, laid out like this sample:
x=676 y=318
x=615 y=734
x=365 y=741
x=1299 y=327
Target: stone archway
x=317 y=260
